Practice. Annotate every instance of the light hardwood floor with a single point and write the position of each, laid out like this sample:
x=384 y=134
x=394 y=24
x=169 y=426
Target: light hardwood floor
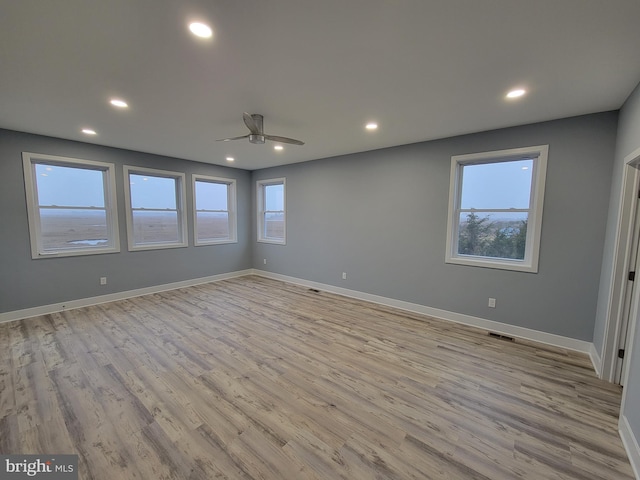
x=252 y=378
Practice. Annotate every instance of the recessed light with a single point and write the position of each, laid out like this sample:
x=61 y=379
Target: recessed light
x=230 y=159
x=516 y=93
x=200 y=30
x=525 y=168
x=88 y=131
x=278 y=147
x=371 y=126
x=116 y=102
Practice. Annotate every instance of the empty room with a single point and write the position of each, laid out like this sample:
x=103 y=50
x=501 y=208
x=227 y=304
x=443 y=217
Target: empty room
x=319 y=240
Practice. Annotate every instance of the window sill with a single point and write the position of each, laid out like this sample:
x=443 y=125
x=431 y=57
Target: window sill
x=74 y=253
x=156 y=246
x=215 y=242
x=513 y=265
x=274 y=242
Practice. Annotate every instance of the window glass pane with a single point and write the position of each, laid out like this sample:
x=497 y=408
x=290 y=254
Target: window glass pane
x=274 y=197
x=271 y=221
x=148 y=191
x=155 y=227
x=211 y=196
x=212 y=225
x=497 y=185
x=68 y=229
x=69 y=203
x=496 y=235
x=68 y=186
x=274 y=226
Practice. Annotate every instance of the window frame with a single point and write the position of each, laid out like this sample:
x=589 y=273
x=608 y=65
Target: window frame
x=29 y=161
x=260 y=195
x=181 y=205
x=539 y=155
x=231 y=209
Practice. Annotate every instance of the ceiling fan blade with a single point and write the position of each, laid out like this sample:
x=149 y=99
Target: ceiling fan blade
x=276 y=138
x=233 y=138
x=251 y=124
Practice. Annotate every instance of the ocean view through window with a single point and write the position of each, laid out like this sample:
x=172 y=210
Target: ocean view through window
x=155 y=208
x=271 y=211
x=214 y=202
x=71 y=206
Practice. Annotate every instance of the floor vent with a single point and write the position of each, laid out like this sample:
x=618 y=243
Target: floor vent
x=501 y=337
x=314 y=290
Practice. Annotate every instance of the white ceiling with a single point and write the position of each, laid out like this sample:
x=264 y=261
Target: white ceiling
x=317 y=70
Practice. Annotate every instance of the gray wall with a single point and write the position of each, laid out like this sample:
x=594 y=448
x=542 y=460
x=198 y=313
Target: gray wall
x=381 y=216
x=26 y=283
x=628 y=142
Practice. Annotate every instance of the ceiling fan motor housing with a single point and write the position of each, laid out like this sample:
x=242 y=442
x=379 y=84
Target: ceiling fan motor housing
x=258 y=120
x=254 y=123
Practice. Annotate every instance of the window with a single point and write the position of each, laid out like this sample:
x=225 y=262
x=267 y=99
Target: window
x=495 y=208
x=214 y=202
x=71 y=206
x=271 y=211
x=155 y=208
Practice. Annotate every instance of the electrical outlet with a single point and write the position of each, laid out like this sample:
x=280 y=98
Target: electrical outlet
x=344 y=275
x=103 y=280
x=264 y=260
x=492 y=303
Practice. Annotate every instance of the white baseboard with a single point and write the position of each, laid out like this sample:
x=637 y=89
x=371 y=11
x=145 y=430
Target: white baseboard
x=501 y=328
x=630 y=443
x=85 y=302
x=595 y=359
x=498 y=327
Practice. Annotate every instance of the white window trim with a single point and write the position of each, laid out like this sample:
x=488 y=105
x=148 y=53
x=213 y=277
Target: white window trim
x=231 y=209
x=534 y=224
x=181 y=204
x=29 y=160
x=260 y=184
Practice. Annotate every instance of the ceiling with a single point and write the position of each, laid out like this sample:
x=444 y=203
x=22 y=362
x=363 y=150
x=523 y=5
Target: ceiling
x=317 y=71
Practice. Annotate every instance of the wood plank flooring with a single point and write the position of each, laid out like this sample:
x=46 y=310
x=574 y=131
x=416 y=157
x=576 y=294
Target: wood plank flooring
x=252 y=378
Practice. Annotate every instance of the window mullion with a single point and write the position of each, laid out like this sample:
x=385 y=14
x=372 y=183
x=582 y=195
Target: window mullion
x=68 y=207
x=490 y=210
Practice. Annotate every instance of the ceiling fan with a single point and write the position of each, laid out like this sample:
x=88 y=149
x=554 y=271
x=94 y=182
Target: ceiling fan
x=257 y=135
